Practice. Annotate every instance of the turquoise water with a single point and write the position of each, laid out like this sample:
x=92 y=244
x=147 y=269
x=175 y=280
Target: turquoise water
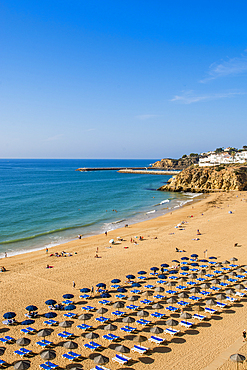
x=47 y=202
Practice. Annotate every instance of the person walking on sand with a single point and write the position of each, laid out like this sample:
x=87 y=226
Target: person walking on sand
x=244 y=335
x=46 y=251
x=73 y=284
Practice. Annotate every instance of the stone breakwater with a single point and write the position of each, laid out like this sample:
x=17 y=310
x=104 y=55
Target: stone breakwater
x=207 y=179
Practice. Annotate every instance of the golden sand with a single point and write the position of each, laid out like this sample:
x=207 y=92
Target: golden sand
x=27 y=281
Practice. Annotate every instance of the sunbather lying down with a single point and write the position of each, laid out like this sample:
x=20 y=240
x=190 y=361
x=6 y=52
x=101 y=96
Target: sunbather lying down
x=179 y=250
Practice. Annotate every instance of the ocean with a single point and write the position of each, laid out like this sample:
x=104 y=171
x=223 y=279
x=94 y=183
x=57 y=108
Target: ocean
x=45 y=202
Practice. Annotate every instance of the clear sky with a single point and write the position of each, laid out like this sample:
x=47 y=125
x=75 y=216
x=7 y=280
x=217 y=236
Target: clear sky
x=121 y=78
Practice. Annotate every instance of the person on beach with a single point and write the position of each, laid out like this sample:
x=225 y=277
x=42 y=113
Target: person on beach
x=244 y=335
x=73 y=284
x=105 y=233
x=5 y=254
x=92 y=290
x=198 y=232
x=46 y=251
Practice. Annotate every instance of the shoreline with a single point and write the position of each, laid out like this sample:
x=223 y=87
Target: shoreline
x=195 y=198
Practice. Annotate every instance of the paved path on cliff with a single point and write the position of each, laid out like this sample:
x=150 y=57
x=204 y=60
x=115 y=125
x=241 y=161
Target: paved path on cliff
x=224 y=356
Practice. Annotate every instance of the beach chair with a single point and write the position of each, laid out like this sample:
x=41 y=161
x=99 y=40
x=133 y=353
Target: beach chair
x=19 y=352
x=92 y=345
x=84 y=296
x=143 y=322
x=171 y=308
x=68 y=357
x=97 y=367
x=139 y=349
x=45 y=367
x=146 y=301
x=156 y=340
x=209 y=310
x=44 y=343
x=3 y=363
x=231 y=299
x=7 y=339
x=171 y=331
x=110 y=337
x=104 y=302
x=101 y=319
x=84 y=327
x=157 y=315
x=194 y=298
x=31 y=330
x=158 y=296
x=120 y=296
x=121 y=359
x=70 y=315
x=183 y=303
x=51 y=365
x=199 y=317
x=74 y=354
x=127 y=329
x=118 y=313
x=89 y=308
x=132 y=307
x=221 y=305
x=51 y=322
x=186 y=324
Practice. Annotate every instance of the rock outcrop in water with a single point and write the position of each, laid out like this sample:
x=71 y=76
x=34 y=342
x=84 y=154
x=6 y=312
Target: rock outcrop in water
x=208 y=179
x=176 y=164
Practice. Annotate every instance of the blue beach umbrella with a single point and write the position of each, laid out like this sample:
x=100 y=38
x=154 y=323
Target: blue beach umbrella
x=136 y=285
x=68 y=296
x=165 y=265
x=185 y=259
x=50 y=315
x=185 y=268
x=101 y=285
x=162 y=276
x=141 y=272
x=115 y=281
x=173 y=272
x=154 y=269
x=194 y=255
x=212 y=258
x=70 y=307
x=31 y=308
x=85 y=290
x=9 y=315
x=121 y=290
x=176 y=261
x=50 y=302
x=203 y=260
x=194 y=264
x=28 y=322
x=130 y=277
x=105 y=295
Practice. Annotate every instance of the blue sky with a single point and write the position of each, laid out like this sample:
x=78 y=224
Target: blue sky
x=121 y=79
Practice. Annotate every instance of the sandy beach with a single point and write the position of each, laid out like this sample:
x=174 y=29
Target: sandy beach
x=28 y=281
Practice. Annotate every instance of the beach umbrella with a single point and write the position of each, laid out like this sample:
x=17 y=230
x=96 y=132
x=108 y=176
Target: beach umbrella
x=182 y=279
x=232 y=273
x=2 y=351
x=68 y=296
x=23 y=342
x=105 y=295
x=84 y=317
x=101 y=285
x=205 y=285
x=186 y=315
x=211 y=302
x=221 y=296
x=139 y=338
x=44 y=333
x=22 y=365
x=215 y=281
x=118 y=305
x=142 y=313
x=28 y=322
x=122 y=349
x=185 y=259
x=9 y=315
x=171 y=283
x=194 y=290
x=194 y=264
x=173 y=272
x=85 y=290
x=192 y=276
x=141 y=272
x=218 y=264
x=203 y=260
x=70 y=307
x=225 y=262
x=156 y=330
x=194 y=255
x=115 y=281
x=70 y=345
x=147 y=293
x=165 y=265
x=223 y=277
x=91 y=335
x=159 y=289
x=172 y=322
x=162 y=276
x=172 y=300
x=31 y=308
x=185 y=268
x=102 y=310
x=183 y=295
x=48 y=355
x=128 y=319
x=135 y=285
x=101 y=360
x=66 y=324
x=202 y=272
x=212 y=258
x=230 y=291
x=234 y=259
x=157 y=306
x=50 y=315
x=133 y=298
x=237 y=358
x=239 y=286
x=110 y=327
x=121 y=290
x=76 y=367
x=240 y=270
x=50 y=302
x=130 y=277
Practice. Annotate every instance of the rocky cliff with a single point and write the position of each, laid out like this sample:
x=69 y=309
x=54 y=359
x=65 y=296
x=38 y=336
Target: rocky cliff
x=176 y=164
x=207 y=179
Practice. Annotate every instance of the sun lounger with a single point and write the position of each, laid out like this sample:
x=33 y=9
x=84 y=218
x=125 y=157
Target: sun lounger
x=156 y=340
x=84 y=296
x=88 y=308
x=146 y=301
x=104 y=301
x=171 y=308
x=44 y=343
x=142 y=277
x=101 y=319
x=231 y=299
x=19 y=352
x=240 y=294
x=45 y=367
x=193 y=298
x=3 y=363
x=51 y=322
x=209 y=310
x=171 y=291
x=120 y=296
x=97 y=367
x=70 y=314
x=143 y=322
x=127 y=329
x=110 y=337
x=187 y=324
x=183 y=303
x=139 y=349
x=68 y=357
x=32 y=330
x=121 y=359
x=157 y=315
x=118 y=313
x=171 y=331
x=199 y=317
x=84 y=327
x=204 y=292
x=221 y=305
x=132 y=307
x=51 y=365
x=158 y=296
x=92 y=345
x=7 y=339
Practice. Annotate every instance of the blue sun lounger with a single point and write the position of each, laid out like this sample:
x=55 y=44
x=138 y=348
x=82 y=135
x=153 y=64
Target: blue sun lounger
x=68 y=357
x=171 y=331
x=121 y=359
x=146 y=301
x=127 y=329
x=101 y=319
x=143 y=322
x=156 y=340
x=199 y=317
x=110 y=337
x=209 y=310
x=7 y=339
x=45 y=366
x=157 y=315
x=92 y=345
x=118 y=313
x=187 y=324
x=70 y=315
x=84 y=296
x=84 y=327
x=89 y=308
x=132 y=307
x=2 y=363
x=74 y=354
x=97 y=367
x=44 y=343
x=51 y=322
x=139 y=349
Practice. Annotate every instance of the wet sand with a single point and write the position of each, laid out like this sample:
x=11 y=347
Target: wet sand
x=27 y=281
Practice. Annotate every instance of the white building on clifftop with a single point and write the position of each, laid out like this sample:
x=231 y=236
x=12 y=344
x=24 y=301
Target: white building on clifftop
x=215 y=159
